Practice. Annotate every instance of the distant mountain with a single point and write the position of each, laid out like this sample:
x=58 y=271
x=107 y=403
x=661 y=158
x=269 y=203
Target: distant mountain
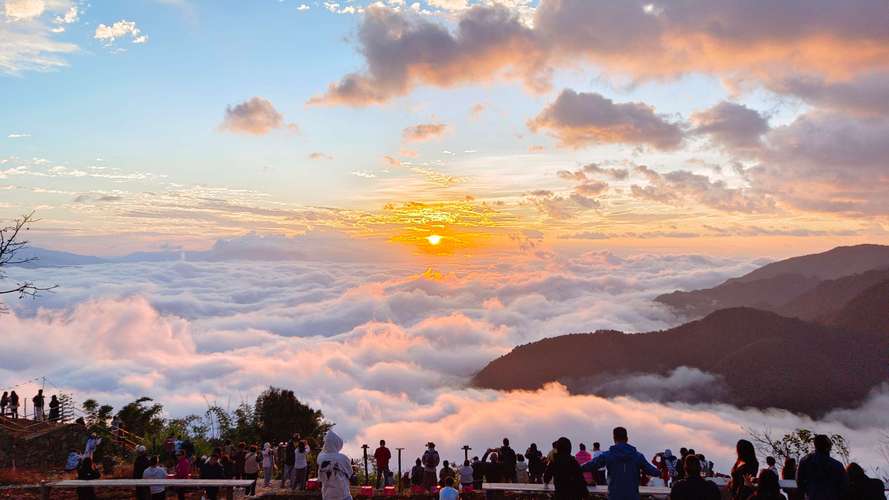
x=831 y=296
x=789 y=286
x=752 y=358
x=868 y=312
x=50 y=258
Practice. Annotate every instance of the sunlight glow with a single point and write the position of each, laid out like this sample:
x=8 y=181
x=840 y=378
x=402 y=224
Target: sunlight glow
x=433 y=239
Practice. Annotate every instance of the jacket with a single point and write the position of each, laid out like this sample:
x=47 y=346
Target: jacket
x=821 y=477
x=624 y=465
x=565 y=473
x=334 y=469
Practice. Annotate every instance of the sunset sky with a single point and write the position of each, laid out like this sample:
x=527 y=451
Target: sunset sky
x=144 y=125
x=390 y=194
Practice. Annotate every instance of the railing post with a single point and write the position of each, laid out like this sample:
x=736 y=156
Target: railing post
x=229 y=493
x=44 y=490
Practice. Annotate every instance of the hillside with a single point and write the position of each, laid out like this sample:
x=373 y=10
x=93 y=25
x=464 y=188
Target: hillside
x=756 y=358
x=798 y=287
x=868 y=312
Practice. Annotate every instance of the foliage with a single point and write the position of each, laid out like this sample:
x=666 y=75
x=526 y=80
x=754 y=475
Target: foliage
x=278 y=414
x=96 y=414
x=141 y=419
x=796 y=444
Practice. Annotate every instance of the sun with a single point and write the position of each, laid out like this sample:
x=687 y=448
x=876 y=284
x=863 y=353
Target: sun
x=433 y=239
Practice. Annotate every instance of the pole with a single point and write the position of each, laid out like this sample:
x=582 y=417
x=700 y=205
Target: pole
x=466 y=449
x=399 y=470
x=366 y=472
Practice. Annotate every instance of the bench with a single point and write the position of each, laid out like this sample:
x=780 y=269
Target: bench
x=226 y=485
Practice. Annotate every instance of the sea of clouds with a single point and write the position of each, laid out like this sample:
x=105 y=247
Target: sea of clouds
x=385 y=349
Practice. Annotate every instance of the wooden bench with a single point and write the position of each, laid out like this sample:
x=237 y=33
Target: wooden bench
x=227 y=486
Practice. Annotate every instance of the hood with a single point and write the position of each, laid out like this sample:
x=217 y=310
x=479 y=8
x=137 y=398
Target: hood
x=623 y=451
x=332 y=443
x=668 y=453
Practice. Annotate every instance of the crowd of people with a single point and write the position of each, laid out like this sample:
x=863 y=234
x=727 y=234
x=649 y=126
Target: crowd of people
x=622 y=468
x=10 y=404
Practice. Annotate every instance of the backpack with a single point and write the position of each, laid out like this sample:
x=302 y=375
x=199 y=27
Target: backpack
x=334 y=480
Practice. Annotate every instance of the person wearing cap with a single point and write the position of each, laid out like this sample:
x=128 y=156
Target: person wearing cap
x=139 y=466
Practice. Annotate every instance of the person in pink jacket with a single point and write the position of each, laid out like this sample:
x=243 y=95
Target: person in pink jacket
x=182 y=471
x=583 y=457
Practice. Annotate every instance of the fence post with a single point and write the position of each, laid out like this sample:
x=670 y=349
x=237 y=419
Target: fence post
x=44 y=490
x=229 y=493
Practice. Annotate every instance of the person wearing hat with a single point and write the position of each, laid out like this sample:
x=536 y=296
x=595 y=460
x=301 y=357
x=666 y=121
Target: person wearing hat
x=430 y=464
x=139 y=466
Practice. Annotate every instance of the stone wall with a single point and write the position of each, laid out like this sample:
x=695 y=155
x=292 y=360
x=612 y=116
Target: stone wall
x=44 y=450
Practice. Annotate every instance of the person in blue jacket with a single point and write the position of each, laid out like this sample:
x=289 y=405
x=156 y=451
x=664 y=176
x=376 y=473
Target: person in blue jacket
x=625 y=466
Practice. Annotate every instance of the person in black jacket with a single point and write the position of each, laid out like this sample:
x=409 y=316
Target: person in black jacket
x=535 y=464
x=508 y=462
x=694 y=487
x=862 y=487
x=565 y=473
x=87 y=472
x=767 y=487
x=139 y=465
x=212 y=469
x=54 y=409
x=745 y=469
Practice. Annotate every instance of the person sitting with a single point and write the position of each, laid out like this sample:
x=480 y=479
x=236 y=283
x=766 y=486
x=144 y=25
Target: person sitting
x=694 y=486
x=625 y=467
x=820 y=476
x=767 y=487
x=565 y=473
x=448 y=492
x=862 y=487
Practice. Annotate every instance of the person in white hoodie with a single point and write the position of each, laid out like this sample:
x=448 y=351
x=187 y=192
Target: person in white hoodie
x=268 y=464
x=334 y=469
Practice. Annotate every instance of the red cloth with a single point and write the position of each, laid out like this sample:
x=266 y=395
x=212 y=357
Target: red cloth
x=183 y=468
x=382 y=456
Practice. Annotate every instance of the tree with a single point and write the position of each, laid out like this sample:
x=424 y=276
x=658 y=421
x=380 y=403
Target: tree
x=279 y=414
x=141 y=419
x=96 y=414
x=11 y=244
x=796 y=444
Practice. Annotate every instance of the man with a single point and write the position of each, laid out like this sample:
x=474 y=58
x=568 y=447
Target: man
x=565 y=473
x=625 y=466
x=289 y=461
x=694 y=487
x=38 y=401
x=448 y=492
x=212 y=469
x=820 y=476
x=382 y=455
x=772 y=465
x=430 y=464
x=155 y=471
x=508 y=461
x=140 y=465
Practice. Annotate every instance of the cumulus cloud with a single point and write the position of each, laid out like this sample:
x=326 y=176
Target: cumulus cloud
x=28 y=43
x=424 y=132
x=19 y=10
x=678 y=187
x=863 y=94
x=582 y=119
x=732 y=125
x=256 y=116
x=120 y=29
x=670 y=39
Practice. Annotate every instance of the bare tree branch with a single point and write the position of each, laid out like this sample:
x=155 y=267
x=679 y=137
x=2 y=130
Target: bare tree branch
x=11 y=243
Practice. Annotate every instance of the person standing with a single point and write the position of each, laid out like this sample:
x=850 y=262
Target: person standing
x=182 y=471
x=334 y=469
x=820 y=476
x=212 y=469
x=252 y=460
x=39 y=399
x=382 y=455
x=535 y=463
x=268 y=464
x=4 y=402
x=14 y=405
x=239 y=458
x=508 y=461
x=862 y=487
x=54 y=415
x=156 y=471
x=289 y=459
x=582 y=457
x=767 y=487
x=466 y=475
x=300 y=466
x=140 y=464
x=430 y=464
x=625 y=467
x=521 y=469
x=598 y=474
x=92 y=443
x=87 y=472
x=565 y=473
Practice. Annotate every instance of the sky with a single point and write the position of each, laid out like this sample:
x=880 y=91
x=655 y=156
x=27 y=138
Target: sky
x=397 y=192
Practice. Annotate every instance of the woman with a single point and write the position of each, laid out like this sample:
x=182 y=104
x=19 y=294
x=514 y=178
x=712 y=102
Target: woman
x=767 y=487
x=268 y=464
x=87 y=472
x=521 y=469
x=301 y=466
x=862 y=487
x=251 y=468
x=13 y=405
x=54 y=409
x=745 y=469
x=334 y=469
x=4 y=400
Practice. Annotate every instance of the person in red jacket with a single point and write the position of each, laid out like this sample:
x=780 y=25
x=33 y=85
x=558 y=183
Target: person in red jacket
x=182 y=471
x=382 y=457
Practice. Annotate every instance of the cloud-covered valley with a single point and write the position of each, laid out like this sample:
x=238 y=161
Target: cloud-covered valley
x=384 y=349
